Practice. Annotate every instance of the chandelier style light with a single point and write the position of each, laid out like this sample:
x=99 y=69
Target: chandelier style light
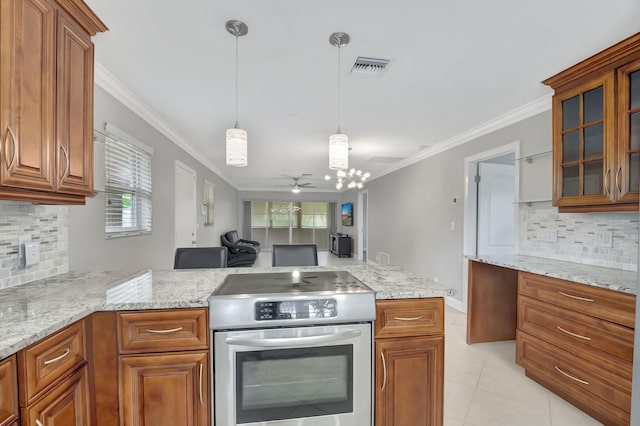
x=351 y=179
x=236 y=137
x=339 y=143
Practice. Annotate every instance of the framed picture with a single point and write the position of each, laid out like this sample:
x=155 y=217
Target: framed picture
x=347 y=214
x=207 y=202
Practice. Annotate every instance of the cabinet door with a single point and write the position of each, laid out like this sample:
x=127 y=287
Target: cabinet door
x=65 y=405
x=627 y=177
x=165 y=389
x=8 y=391
x=74 y=131
x=583 y=144
x=409 y=381
x=27 y=78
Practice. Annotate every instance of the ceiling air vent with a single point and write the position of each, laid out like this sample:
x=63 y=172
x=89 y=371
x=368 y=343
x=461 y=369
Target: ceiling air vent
x=369 y=67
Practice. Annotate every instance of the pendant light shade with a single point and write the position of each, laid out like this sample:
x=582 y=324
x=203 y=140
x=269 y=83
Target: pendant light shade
x=236 y=146
x=338 y=152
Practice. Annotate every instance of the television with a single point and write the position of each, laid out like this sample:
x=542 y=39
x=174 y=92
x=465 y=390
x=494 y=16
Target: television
x=347 y=214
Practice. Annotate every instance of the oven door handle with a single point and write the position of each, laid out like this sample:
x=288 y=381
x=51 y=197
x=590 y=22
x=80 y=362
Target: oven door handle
x=293 y=341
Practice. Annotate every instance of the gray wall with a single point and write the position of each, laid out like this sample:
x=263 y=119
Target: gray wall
x=88 y=248
x=410 y=210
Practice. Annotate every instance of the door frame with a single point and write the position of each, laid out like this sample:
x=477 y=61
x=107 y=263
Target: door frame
x=363 y=211
x=470 y=210
x=178 y=163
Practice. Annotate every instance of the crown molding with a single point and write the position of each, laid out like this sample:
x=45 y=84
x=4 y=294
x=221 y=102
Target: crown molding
x=110 y=84
x=535 y=107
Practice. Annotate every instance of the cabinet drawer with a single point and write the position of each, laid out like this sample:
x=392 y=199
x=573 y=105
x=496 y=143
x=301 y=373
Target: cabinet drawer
x=602 y=342
x=170 y=330
x=51 y=358
x=609 y=305
x=8 y=391
x=596 y=389
x=409 y=317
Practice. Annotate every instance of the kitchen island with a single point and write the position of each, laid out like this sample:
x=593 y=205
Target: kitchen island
x=34 y=310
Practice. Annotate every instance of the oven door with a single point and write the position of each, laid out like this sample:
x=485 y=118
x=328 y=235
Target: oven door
x=304 y=376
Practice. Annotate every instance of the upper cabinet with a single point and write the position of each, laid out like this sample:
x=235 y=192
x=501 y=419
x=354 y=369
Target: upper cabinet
x=46 y=100
x=596 y=131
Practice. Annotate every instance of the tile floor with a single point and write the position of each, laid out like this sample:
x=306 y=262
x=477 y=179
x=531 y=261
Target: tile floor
x=483 y=385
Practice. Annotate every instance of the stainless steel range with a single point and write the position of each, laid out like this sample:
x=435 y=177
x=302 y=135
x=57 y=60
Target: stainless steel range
x=292 y=348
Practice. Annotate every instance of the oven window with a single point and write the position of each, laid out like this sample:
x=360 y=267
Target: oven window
x=293 y=383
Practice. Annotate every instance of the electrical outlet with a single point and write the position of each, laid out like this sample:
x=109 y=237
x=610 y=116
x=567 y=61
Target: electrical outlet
x=547 y=235
x=604 y=239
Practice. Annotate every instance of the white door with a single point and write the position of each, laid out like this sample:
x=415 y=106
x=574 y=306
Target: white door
x=496 y=220
x=186 y=219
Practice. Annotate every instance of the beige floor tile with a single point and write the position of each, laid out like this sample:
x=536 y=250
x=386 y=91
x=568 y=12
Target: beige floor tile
x=511 y=382
x=457 y=399
x=565 y=414
x=488 y=409
x=465 y=371
x=448 y=421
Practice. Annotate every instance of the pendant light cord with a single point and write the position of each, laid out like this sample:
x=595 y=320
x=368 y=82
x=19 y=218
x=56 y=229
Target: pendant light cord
x=339 y=87
x=236 y=125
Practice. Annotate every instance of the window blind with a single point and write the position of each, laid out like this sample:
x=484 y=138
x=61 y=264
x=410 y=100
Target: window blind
x=128 y=188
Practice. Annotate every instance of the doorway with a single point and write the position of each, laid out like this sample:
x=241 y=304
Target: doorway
x=490 y=207
x=363 y=203
x=186 y=219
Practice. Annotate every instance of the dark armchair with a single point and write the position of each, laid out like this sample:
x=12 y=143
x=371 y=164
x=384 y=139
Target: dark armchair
x=241 y=252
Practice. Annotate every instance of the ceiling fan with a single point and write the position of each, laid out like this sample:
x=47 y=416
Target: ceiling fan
x=296 y=186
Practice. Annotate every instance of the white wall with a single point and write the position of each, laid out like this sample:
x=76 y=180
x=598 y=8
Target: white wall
x=88 y=248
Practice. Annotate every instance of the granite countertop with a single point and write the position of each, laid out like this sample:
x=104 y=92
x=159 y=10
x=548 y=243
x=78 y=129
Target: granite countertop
x=32 y=311
x=597 y=276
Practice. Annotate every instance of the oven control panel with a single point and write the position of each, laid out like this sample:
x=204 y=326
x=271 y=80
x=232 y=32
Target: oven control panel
x=296 y=309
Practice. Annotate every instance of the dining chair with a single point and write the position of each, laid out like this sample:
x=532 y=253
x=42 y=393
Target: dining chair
x=294 y=255
x=200 y=257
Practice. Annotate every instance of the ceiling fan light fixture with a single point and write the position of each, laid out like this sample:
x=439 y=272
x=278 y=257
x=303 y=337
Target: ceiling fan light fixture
x=236 y=138
x=295 y=189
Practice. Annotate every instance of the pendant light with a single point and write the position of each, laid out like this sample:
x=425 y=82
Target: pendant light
x=236 y=137
x=339 y=143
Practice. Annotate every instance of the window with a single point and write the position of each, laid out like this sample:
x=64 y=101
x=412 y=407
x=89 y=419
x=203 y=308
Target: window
x=207 y=202
x=127 y=185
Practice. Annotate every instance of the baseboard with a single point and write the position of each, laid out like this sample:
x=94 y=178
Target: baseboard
x=455 y=304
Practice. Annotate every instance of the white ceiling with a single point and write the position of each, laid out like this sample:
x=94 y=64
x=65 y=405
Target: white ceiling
x=455 y=65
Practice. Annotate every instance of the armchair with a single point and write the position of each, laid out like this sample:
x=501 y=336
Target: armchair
x=241 y=252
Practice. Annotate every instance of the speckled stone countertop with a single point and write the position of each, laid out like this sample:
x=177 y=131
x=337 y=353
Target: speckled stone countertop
x=34 y=310
x=612 y=279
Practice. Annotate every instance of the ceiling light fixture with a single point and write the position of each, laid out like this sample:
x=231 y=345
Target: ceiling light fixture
x=236 y=137
x=352 y=179
x=339 y=143
x=295 y=189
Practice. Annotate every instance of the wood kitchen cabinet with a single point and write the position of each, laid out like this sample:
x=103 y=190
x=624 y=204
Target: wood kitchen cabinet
x=53 y=380
x=8 y=392
x=46 y=100
x=596 y=131
x=409 y=362
x=577 y=341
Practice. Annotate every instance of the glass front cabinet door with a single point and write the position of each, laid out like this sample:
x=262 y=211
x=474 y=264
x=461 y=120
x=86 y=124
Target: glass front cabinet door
x=627 y=177
x=584 y=144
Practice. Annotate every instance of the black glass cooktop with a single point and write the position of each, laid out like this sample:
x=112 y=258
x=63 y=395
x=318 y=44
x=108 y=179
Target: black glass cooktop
x=290 y=283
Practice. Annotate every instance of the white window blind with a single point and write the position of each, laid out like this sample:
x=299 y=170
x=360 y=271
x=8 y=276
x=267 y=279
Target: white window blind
x=127 y=185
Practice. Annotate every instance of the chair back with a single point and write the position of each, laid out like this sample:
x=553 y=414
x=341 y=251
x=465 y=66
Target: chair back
x=200 y=257
x=232 y=236
x=294 y=255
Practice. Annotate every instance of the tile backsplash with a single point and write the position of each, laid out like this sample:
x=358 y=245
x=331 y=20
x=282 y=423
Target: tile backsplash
x=600 y=239
x=46 y=225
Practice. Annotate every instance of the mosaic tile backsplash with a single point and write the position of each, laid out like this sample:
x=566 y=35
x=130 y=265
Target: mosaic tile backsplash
x=600 y=239
x=46 y=225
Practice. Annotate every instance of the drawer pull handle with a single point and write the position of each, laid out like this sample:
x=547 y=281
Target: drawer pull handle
x=571 y=377
x=570 y=296
x=39 y=423
x=58 y=358
x=173 y=330
x=384 y=372
x=573 y=334
x=201 y=399
x=408 y=319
